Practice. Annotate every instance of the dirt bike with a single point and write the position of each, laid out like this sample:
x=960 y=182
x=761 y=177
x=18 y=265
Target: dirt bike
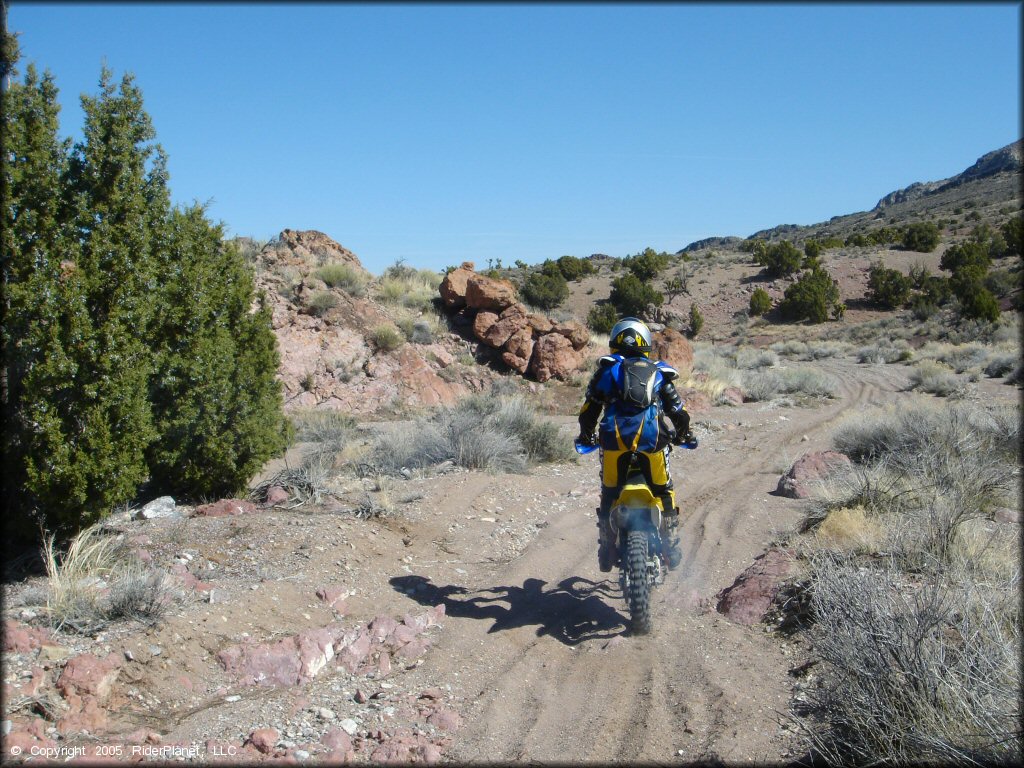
x=636 y=520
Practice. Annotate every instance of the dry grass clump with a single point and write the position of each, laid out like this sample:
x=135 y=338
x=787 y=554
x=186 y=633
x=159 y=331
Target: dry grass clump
x=850 y=529
x=916 y=673
x=408 y=287
x=344 y=276
x=749 y=358
x=494 y=433
x=815 y=350
x=884 y=353
x=921 y=639
x=386 y=337
x=764 y=385
x=935 y=378
x=97 y=580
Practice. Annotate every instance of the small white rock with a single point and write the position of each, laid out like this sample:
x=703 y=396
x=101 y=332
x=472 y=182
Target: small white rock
x=301 y=754
x=325 y=713
x=349 y=726
x=232 y=698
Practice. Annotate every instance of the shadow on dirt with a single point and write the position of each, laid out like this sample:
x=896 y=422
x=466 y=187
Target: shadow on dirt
x=575 y=611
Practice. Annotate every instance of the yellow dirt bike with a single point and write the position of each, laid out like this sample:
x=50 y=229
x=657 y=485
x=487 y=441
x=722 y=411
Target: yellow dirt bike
x=635 y=518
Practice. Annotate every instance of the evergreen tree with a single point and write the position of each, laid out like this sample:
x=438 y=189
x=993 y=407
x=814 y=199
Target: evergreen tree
x=113 y=200
x=45 y=315
x=215 y=397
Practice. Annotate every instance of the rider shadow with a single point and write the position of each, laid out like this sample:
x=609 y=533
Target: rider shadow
x=573 y=612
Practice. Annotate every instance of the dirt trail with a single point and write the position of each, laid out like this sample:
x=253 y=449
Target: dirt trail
x=539 y=647
x=534 y=652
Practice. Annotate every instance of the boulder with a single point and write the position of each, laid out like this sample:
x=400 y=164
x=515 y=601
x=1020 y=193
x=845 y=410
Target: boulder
x=672 y=347
x=445 y=719
x=486 y=293
x=337 y=740
x=483 y=322
x=540 y=324
x=518 y=350
x=554 y=357
x=512 y=321
x=695 y=400
x=453 y=287
x=158 y=508
x=86 y=675
x=749 y=598
x=575 y=332
x=809 y=469
x=290 y=661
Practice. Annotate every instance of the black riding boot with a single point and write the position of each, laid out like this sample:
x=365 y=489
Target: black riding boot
x=607 y=551
x=669 y=539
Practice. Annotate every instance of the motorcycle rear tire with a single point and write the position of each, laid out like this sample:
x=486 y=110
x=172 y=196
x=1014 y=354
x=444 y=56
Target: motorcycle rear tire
x=639 y=589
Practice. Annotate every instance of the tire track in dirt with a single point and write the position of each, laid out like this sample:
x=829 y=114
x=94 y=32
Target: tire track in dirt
x=539 y=643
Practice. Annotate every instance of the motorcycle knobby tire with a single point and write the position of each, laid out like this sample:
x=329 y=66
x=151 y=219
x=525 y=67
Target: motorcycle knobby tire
x=639 y=587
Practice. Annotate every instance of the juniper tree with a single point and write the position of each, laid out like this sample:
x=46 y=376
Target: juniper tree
x=45 y=317
x=215 y=397
x=114 y=201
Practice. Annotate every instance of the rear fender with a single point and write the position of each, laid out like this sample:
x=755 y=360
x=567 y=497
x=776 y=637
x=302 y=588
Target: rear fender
x=636 y=508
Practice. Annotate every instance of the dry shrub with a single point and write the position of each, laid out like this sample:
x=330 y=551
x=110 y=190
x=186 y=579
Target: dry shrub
x=915 y=673
x=97 y=580
x=850 y=529
x=921 y=644
x=495 y=433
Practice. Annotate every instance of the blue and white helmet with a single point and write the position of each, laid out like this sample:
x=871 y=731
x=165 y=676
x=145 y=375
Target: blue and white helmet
x=630 y=337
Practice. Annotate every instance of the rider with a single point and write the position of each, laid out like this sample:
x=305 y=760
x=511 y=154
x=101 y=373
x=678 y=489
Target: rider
x=635 y=392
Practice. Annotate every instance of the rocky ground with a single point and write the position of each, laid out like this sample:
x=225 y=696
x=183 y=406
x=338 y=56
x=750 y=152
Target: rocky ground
x=471 y=624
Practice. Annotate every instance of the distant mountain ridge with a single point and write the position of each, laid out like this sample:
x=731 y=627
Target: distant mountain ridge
x=998 y=168
x=1005 y=160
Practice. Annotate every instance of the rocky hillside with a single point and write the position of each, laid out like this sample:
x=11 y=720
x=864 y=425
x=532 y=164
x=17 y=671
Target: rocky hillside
x=993 y=181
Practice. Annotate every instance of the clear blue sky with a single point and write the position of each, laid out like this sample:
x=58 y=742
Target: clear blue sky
x=441 y=133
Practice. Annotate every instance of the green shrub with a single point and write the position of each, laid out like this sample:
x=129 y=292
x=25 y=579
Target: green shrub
x=545 y=290
x=1013 y=233
x=321 y=302
x=1001 y=365
x=696 y=321
x=602 y=317
x=813 y=297
x=858 y=240
x=888 y=288
x=630 y=296
x=812 y=250
x=386 y=337
x=968 y=254
x=337 y=275
x=832 y=242
x=575 y=268
x=647 y=265
x=780 y=259
x=976 y=301
x=921 y=236
x=760 y=302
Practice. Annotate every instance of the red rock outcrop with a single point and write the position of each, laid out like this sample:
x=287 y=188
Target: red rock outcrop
x=554 y=357
x=483 y=292
x=328 y=360
x=809 y=469
x=527 y=342
x=749 y=598
x=673 y=347
x=453 y=287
